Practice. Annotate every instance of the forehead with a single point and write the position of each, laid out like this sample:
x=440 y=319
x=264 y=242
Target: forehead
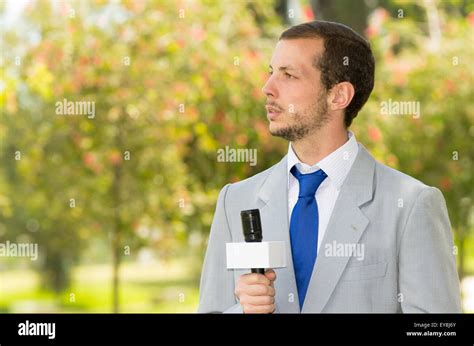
x=299 y=53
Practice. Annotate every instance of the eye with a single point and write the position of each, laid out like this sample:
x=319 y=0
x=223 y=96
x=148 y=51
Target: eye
x=287 y=75
x=270 y=72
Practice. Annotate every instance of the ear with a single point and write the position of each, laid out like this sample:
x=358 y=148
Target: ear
x=340 y=96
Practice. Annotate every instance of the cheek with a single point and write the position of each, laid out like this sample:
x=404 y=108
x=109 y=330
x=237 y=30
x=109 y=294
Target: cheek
x=297 y=96
x=291 y=94
x=300 y=101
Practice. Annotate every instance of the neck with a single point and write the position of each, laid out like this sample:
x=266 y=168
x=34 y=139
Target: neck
x=316 y=146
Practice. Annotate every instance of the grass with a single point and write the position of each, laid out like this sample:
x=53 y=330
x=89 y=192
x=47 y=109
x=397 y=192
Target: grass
x=149 y=287
x=469 y=255
x=152 y=287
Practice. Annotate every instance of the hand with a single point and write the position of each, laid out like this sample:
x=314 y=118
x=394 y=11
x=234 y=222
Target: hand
x=256 y=292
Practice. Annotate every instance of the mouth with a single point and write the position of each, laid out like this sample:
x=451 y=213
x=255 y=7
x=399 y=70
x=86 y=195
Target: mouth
x=272 y=112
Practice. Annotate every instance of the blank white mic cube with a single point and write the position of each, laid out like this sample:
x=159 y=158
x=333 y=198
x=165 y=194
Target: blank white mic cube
x=267 y=254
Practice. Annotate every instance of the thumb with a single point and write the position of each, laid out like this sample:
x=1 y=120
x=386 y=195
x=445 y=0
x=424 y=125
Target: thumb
x=270 y=274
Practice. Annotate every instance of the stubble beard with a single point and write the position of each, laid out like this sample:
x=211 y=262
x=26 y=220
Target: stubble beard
x=305 y=122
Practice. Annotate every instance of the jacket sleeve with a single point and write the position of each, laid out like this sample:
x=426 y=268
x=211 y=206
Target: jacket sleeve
x=428 y=279
x=216 y=293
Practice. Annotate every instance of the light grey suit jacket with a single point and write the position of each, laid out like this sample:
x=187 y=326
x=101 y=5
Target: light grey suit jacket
x=408 y=264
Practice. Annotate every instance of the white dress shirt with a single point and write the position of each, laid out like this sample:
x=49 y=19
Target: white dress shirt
x=336 y=165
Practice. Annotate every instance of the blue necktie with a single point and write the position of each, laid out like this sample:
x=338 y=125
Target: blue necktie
x=304 y=229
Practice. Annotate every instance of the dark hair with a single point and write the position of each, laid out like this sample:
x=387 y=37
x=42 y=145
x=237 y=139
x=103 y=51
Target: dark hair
x=347 y=57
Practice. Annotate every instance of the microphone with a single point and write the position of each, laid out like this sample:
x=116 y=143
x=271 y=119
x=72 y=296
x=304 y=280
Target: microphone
x=252 y=228
x=255 y=253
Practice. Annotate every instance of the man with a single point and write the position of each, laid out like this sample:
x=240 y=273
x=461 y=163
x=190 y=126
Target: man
x=361 y=237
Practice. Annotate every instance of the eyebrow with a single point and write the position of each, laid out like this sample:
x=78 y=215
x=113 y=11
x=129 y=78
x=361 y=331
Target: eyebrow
x=285 y=68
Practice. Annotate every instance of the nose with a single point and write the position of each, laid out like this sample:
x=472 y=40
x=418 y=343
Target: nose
x=269 y=89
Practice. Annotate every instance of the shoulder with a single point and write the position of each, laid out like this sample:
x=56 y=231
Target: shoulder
x=251 y=185
x=404 y=186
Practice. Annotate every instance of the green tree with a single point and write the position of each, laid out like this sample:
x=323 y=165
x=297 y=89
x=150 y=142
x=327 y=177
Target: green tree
x=434 y=71
x=171 y=84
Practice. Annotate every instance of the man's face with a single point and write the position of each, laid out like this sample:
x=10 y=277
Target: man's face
x=296 y=99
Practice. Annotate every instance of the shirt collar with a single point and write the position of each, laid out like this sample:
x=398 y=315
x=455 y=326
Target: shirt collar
x=336 y=165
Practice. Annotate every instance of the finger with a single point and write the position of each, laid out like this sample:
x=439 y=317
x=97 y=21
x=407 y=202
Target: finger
x=254 y=279
x=257 y=300
x=258 y=290
x=259 y=309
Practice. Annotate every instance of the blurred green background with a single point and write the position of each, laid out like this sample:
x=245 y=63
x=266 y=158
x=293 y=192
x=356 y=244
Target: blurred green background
x=121 y=205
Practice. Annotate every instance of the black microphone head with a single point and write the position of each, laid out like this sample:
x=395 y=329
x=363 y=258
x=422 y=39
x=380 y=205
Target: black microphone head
x=251 y=225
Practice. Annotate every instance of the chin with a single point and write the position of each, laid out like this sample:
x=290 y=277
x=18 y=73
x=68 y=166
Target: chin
x=276 y=129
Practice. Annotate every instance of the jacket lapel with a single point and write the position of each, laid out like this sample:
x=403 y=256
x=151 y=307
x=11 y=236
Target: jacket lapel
x=346 y=226
x=273 y=196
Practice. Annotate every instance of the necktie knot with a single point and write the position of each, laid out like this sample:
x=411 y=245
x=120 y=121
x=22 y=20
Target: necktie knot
x=309 y=183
